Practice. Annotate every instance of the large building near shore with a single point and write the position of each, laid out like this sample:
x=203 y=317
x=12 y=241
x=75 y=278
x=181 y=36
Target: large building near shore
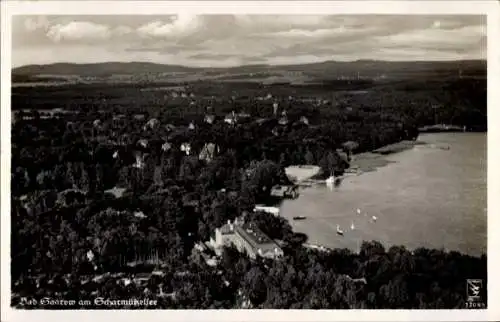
x=246 y=237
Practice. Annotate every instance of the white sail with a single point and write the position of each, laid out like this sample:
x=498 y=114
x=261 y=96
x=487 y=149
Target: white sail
x=330 y=180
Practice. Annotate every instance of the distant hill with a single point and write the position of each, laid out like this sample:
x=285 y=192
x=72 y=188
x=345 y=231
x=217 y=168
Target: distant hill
x=98 y=69
x=327 y=69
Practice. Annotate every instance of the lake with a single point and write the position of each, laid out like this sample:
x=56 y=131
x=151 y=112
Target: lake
x=425 y=197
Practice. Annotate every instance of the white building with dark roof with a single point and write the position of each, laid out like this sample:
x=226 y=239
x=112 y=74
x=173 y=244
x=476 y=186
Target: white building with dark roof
x=246 y=237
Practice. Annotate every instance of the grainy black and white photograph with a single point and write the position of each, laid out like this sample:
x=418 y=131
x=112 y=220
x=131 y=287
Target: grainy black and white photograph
x=248 y=161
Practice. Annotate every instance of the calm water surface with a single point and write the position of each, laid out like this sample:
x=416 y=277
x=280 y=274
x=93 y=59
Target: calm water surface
x=427 y=197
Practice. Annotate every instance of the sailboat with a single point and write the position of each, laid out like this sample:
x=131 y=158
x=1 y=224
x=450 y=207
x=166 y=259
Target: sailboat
x=358 y=211
x=330 y=180
x=374 y=218
x=339 y=231
x=352 y=226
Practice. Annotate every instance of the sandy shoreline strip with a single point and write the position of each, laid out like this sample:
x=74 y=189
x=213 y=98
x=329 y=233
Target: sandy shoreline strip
x=370 y=161
x=362 y=162
x=302 y=172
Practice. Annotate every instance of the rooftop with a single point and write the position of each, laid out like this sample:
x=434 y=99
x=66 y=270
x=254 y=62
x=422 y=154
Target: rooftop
x=226 y=229
x=253 y=235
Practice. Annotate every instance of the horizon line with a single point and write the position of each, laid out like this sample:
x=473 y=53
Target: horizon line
x=257 y=65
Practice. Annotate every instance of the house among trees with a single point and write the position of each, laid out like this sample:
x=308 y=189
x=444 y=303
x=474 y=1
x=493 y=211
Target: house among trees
x=201 y=253
x=143 y=143
x=139 y=116
x=234 y=118
x=246 y=237
x=170 y=127
x=283 y=119
x=208 y=152
x=139 y=161
x=139 y=214
x=118 y=117
x=230 y=118
x=186 y=147
x=275 y=108
x=116 y=191
x=124 y=139
x=242 y=116
x=285 y=191
x=209 y=118
x=166 y=146
x=151 y=124
x=261 y=120
x=304 y=120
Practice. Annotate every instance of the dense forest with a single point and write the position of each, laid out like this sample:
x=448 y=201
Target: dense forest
x=107 y=179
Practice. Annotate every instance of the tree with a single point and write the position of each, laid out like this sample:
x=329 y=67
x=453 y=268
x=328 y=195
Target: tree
x=255 y=286
x=309 y=157
x=260 y=177
x=369 y=249
x=395 y=294
x=275 y=227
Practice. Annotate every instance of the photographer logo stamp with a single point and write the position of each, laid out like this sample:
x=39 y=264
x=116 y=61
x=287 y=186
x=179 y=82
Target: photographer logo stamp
x=474 y=294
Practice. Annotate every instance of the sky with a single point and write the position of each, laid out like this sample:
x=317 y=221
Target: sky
x=230 y=40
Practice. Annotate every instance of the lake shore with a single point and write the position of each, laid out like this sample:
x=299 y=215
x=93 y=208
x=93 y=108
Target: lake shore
x=361 y=162
x=370 y=161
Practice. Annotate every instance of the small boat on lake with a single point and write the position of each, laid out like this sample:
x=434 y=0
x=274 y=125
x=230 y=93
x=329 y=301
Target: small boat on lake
x=352 y=226
x=330 y=180
x=299 y=217
x=339 y=231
